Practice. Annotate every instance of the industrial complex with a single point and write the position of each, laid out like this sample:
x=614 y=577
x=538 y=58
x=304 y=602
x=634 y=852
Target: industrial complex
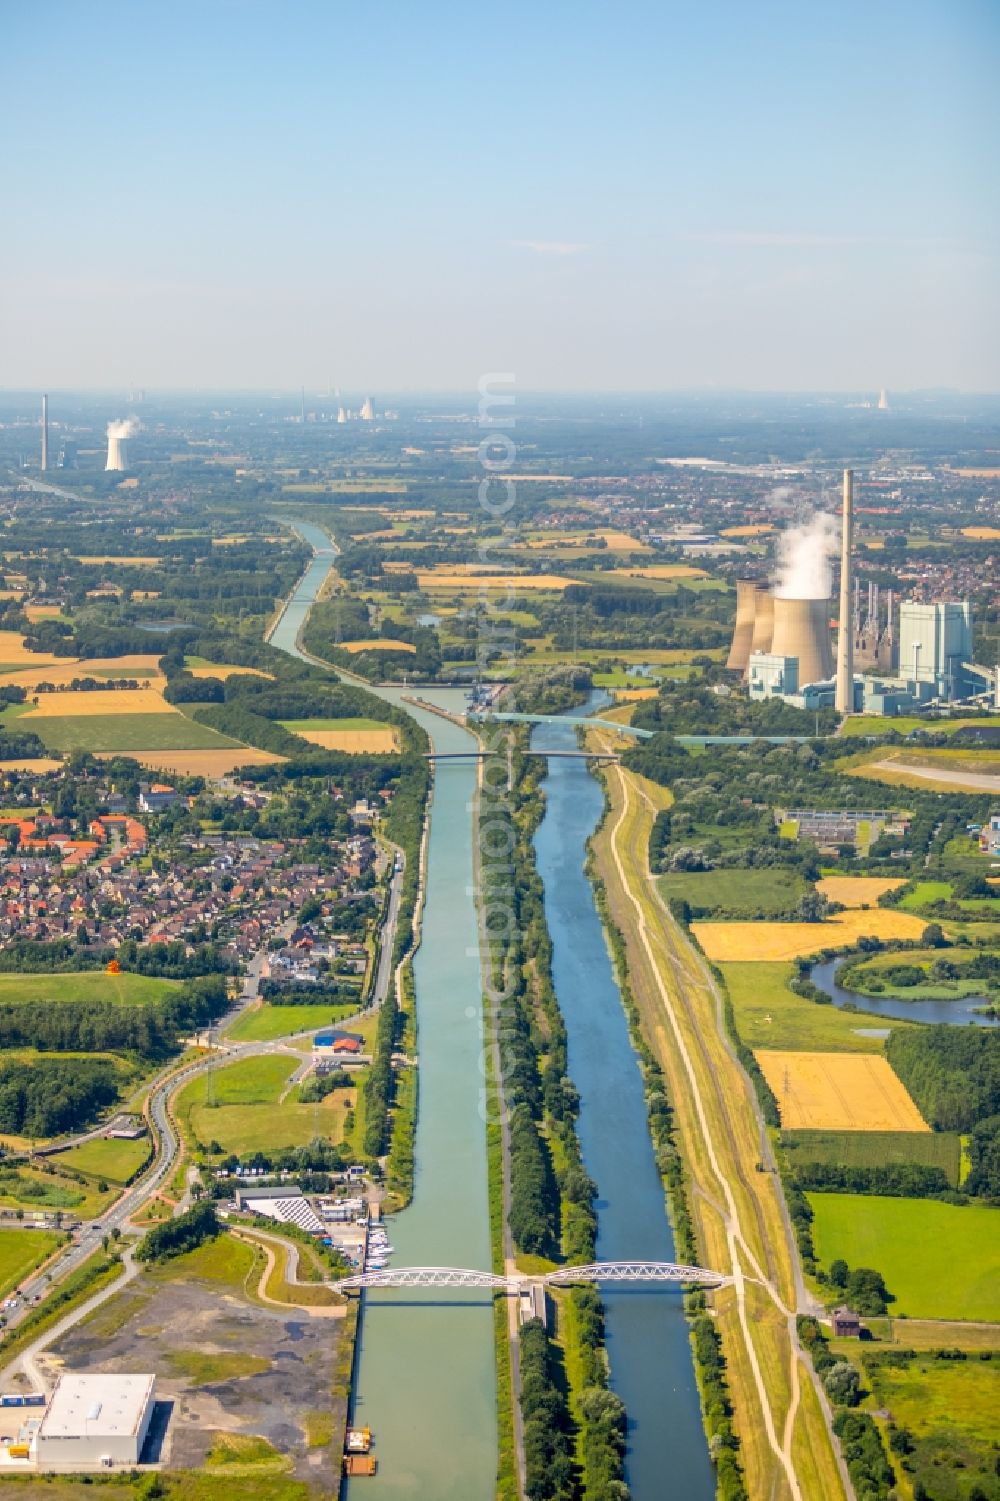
x=783 y=642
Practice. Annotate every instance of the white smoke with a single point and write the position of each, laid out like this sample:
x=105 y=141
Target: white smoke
x=126 y=427
x=804 y=557
x=781 y=497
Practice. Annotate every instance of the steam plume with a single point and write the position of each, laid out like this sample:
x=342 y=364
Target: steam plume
x=804 y=556
x=125 y=427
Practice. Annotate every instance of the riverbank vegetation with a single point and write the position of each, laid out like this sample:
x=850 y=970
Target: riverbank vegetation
x=551 y=1196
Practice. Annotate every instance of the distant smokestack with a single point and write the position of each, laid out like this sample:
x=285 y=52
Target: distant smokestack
x=845 y=637
x=739 y=652
x=118 y=432
x=763 y=619
x=802 y=630
x=45 y=433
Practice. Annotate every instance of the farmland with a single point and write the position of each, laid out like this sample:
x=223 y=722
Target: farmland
x=202 y=763
x=128 y=733
x=874 y=1148
x=758 y=942
x=941 y=1261
x=355 y=736
x=857 y=891
x=838 y=1092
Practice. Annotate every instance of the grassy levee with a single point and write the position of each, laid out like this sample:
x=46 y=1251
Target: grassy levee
x=786 y=1447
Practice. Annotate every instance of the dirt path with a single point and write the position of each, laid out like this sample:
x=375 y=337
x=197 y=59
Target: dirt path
x=972 y=781
x=269 y=1244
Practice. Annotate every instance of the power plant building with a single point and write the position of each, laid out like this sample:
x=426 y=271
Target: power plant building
x=96 y=1421
x=935 y=641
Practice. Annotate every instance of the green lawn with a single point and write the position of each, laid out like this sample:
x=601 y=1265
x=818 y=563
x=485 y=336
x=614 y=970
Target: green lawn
x=942 y=1261
x=771 y=890
x=925 y=892
x=127 y=732
x=20 y=1252
x=769 y=1015
x=265 y=1023
x=85 y=985
x=245 y=1116
x=872 y=1148
x=110 y=1158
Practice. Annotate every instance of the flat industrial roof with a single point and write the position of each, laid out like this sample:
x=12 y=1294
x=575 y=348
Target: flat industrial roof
x=96 y=1405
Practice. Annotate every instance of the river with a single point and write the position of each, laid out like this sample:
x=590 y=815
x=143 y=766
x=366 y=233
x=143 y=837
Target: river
x=425 y=1377
x=649 y=1352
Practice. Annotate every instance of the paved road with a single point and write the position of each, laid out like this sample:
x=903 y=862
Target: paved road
x=387 y=936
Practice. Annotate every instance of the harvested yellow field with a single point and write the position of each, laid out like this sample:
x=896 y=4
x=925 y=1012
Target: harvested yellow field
x=839 y=1092
x=857 y=891
x=198 y=763
x=40 y=612
x=222 y=670
x=749 y=942
x=354 y=742
x=66 y=704
x=634 y=695
x=614 y=541
x=39 y=765
x=60 y=674
x=121 y=562
x=747 y=531
x=13 y=652
x=379 y=643
x=667 y=571
x=432 y=578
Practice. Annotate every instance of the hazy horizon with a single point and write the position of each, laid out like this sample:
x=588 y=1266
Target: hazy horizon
x=659 y=200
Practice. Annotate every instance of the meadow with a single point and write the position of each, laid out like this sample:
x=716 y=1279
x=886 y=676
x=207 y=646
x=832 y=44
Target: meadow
x=107 y=1158
x=772 y=889
x=949 y=1407
x=86 y=985
x=265 y=1023
x=871 y=725
x=770 y=1015
x=355 y=736
x=245 y=1116
x=940 y=1261
x=839 y=1092
x=20 y=1252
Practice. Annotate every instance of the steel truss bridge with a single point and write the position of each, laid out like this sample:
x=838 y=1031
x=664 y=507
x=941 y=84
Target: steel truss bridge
x=487 y=755
x=564 y=1276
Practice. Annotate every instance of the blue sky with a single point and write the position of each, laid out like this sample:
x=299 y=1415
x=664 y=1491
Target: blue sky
x=593 y=196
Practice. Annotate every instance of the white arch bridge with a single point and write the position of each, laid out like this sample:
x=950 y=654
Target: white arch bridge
x=564 y=1276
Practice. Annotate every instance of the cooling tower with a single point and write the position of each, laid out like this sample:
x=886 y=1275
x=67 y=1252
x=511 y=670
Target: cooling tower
x=117 y=454
x=802 y=629
x=763 y=619
x=739 y=652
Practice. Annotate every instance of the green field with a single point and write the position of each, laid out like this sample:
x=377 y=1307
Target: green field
x=874 y=968
x=127 y=732
x=873 y=724
x=265 y=1023
x=245 y=1116
x=770 y=890
x=85 y=985
x=925 y=892
x=941 y=1261
x=20 y=1252
x=108 y=1158
x=873 y=1148
x=769 y=1015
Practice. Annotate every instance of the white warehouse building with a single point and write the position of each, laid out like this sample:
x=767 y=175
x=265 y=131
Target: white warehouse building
x=94 y=1421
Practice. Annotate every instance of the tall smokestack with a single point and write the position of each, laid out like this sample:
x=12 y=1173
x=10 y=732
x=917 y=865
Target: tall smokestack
x=45 y=433
x=845 y=636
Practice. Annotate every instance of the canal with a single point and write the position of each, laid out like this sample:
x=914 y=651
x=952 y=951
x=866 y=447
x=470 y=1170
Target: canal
x=649 y=1352
x=425 y=1377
